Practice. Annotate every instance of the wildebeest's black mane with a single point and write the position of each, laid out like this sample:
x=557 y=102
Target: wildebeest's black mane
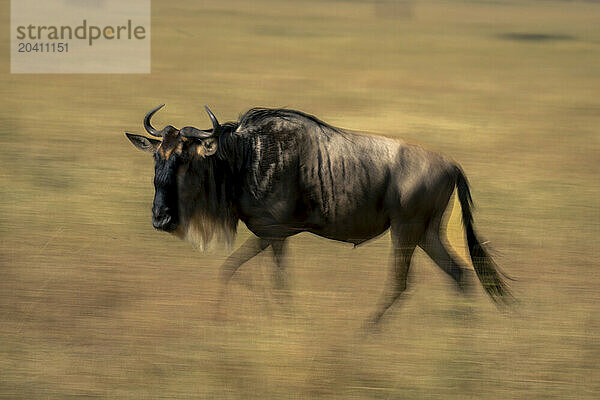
x=258 y=116
x=237 y=142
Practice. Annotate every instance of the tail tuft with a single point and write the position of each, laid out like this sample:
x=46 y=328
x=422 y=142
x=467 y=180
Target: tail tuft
x=485 y=267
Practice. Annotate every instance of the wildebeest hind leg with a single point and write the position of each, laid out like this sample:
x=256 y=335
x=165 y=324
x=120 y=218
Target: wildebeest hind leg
x=404 y=239
x=442 y=254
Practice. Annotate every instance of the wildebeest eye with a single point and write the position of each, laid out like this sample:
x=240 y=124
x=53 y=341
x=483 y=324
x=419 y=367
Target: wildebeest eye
x=210 y=145
x=207 y=147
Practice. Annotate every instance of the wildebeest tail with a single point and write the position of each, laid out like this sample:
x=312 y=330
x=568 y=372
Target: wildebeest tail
x=485 y=267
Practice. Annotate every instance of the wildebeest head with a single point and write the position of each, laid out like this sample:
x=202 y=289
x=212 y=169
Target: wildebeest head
x=177 y=204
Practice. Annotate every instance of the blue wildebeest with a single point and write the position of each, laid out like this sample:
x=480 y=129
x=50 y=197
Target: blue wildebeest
x=282 y=172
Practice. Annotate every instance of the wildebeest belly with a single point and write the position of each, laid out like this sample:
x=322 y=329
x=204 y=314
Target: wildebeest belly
x=335 y=188
x=356 y=229
x=351 y=214
x=343 y=186
x=349 y=208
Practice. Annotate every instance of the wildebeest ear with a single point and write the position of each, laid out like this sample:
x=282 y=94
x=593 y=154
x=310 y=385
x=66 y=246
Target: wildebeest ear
x=143 y=143
x=207 y=147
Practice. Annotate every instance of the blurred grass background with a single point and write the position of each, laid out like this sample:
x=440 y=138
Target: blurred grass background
x=95 y=303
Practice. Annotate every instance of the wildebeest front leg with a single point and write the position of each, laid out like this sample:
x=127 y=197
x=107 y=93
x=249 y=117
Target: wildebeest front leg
x=280 y=278
x=249 y=249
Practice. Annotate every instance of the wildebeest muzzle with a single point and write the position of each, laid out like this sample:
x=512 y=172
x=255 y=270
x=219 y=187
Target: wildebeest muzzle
x=163 y=219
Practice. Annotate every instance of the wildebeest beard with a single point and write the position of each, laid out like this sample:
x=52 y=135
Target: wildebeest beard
x=206 y=215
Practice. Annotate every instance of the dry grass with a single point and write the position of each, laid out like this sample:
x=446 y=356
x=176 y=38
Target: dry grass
x=95 y=303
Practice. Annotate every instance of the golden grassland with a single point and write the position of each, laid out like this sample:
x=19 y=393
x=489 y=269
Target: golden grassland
x=95 y=303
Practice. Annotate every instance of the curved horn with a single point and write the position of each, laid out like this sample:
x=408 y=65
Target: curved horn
x=193 y=133
x=149 y=128
x=216 y=125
